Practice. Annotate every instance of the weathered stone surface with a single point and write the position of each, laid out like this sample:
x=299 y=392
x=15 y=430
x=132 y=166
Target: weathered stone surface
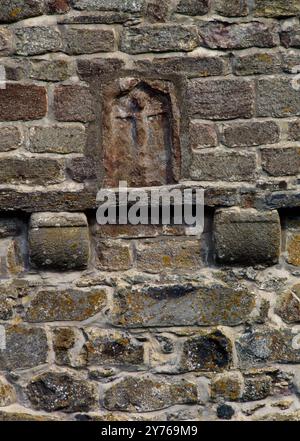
x=277 y=97
x=225 y=412
x=158 y=11
x=147 y=394
x=11 y=138
x=6 y=41
x=276 y=8
x=159 y=38
x=88 y=40
x=11 y=259
x=228 y=386
x=293 y=249
x=81 y=169
x=24 y=416
x=220 y=35
x=63 y=340
x=62 y=305
x=280 y=162
x=62 y=246
x=193 y=7
x=290 y=416
x=257 y=63
x=259 y=347
x=202 y=135
x=37 y=40
x=94 y=17
x=223 y=166
x=6 y=307
x=206 y=352
x=194 y=66
x=14 y=10
x=232 y=8
x=294 y=131
x=257 y=388
x=34 y=171
x=54 y=70
x=113 y=256
x=180 y=305
x=137 y=231
x=73 y=103
x=247 y=236
x=220 y=99
x=291 y=38
x=53 y=391
x=59 y=138
x=114 y=348
x=9 y=227
x=7 y=393
x=25 y=348
x=168 y=254
x=140 y=133
x=22 y=102
x=250 y=134
x=109 y=5
x=58 y=6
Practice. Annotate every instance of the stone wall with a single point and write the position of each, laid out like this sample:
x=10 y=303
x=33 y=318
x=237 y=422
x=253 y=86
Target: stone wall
x=147 y=322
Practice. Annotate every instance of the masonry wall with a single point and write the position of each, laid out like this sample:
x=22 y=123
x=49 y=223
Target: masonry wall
x=148 y=322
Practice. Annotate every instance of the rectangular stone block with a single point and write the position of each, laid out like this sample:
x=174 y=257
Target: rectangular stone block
x=159 y=38
x=257 y=64
x=220 y=99
x=163 y=255
x=109 y=5
x=22 y=102
x=59 y=138
x=250 y=134
x=31 y=171
x=206 y=304
x=291 y=38
x=114 y=255
x=15 y=10
x=73 y=103
x=59 y=241
x=193 y=7
x=37 y=40
x=223 y=166
x=11 y=138
x=202 y=135
x=220 y=35
x=232 y=8
x=88 y=40
x=276 y=8
x=281 y=162
x=277 y=97
x=246 y=236
x=50 y=70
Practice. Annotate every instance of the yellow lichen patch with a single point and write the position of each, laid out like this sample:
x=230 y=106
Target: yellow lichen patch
x=293 y=250
x=15 y=12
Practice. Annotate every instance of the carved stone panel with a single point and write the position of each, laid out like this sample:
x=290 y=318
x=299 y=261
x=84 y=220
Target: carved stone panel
x=140 y=133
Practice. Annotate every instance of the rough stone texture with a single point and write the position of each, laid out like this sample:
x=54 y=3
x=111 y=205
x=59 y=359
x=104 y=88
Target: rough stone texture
x=277 y=98
x=22 y=102
x=113 y=256
x=257 y=64
x=228 y=386
x=26 y=347
x=220 y=99
x=112 y=348
x=73 y=103
x=276 y=8
x=171 y=305
x=10 y=138
x=147 y=394
x=219 y=35
x=247 y=236
x=88 y=40
x=265 y=346
x=223 y=166
x=57 y=139
x=294 y=131
x=37 y=40
x=279 y=162
x=34 y=171
x=5 y=42
x=7 y=393
x=109 y=5
x=75 y=305
x=168 y=254
x=14 y=10
x=206 y=352
x=202 y=135
x=250 y=134
x=158 y=38
x=232 y=8
x=293 y=248
x=193 y=7
x=53 y=391
x=59 y=242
